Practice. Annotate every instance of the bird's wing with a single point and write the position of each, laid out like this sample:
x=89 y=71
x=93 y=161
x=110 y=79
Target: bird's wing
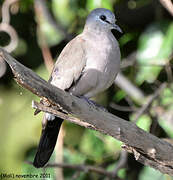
x=69 y=65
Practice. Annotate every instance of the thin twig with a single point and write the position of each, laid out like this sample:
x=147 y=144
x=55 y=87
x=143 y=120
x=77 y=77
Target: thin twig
x=48 y=60
x=146 y=106
x=3 y=67
x=121 y=163
x=129 y=60
x=54 y=23
x=122 y=108
x=75 y=175
x=80 y=167
x=59 y=149
x=44 y=171
x=130 y=102
x=169 y=72
x=132 y=91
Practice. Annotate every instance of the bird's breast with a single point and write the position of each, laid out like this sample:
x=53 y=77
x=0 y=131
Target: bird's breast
x=102 y=54
x=103 y=57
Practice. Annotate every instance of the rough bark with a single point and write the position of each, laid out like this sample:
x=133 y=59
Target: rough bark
x=147 y=148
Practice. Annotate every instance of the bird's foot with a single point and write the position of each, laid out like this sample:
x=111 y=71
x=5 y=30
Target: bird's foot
x=93 y=103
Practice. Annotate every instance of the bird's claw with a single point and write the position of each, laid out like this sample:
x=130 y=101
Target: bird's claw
x=93 y=103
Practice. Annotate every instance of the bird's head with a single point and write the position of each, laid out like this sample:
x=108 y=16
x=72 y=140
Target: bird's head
x=102 y=19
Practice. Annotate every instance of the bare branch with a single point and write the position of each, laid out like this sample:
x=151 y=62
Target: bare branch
x=132 y=91
x=122 y=108
x=47 y=15
x=129 y=60
x=151 y=98
x=121 y=163
x=147 y=148
x=81 y=167
x=3 y=67
x=62 y=115
x=169 y=72
x=48 y=60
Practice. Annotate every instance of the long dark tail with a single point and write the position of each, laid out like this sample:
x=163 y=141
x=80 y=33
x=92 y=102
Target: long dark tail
x=47 y=142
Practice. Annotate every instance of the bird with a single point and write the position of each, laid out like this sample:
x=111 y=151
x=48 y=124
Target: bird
x=87 y=65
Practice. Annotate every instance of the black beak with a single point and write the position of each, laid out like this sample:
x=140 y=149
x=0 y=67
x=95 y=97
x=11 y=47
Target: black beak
x=116 y=27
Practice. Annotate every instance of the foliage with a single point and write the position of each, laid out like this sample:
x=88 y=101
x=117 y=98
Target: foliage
x=146 y=32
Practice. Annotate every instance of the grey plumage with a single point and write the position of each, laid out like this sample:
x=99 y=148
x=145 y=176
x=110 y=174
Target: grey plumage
x=87 y=66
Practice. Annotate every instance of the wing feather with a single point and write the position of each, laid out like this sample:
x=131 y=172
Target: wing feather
x=69 y=64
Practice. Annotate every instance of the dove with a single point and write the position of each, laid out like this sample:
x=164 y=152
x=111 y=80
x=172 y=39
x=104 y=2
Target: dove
x=87 y=65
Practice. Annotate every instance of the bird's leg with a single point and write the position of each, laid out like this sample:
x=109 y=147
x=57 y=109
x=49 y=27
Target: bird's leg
x=93 y=103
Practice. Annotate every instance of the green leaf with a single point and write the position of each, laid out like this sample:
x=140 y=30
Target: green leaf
x=112 y=145
x=154 y=49
x=165 y=117
x=167 y=97
x=52 y=36
x=26 y=5
x=167 y=126
x=121 y=173
x=119 y=95
x=144 y=122
x=73 y=157
x=92 y=146
x=150 y=174
x=72 y=139
x=92 y=4
x=167 y=45
x=63 y=11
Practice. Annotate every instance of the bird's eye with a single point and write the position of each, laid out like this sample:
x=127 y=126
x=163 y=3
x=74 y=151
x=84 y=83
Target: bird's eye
x=103 y=17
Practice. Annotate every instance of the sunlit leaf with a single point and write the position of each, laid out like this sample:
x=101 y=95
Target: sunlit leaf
x=119 y=95
x=112 y=145
x=166 y=112
x=167 y=96
x=144 y=122
x=155 y=47
x=92 y=4
x=167 y=125
x=63 y=11
x=150 y=174
x=51 y=35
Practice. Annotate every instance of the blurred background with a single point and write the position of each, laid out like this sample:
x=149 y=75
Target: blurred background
x=35 y=32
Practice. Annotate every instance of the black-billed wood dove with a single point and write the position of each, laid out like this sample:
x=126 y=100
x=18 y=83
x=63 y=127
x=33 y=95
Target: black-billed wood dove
x=87 y=66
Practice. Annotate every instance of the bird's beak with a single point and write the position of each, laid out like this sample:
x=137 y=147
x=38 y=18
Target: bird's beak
x=116 y=27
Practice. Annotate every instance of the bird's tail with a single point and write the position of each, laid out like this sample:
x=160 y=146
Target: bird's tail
x=47 y=142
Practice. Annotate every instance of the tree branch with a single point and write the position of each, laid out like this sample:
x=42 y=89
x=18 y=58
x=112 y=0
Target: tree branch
x=134 y=92
x=149 y=101
x=81 y=167
x=147 y=148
